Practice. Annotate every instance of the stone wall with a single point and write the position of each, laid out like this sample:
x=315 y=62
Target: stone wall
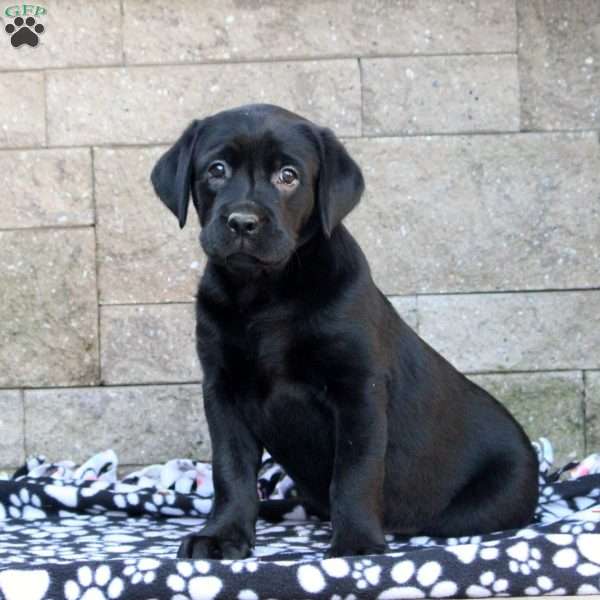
x=476 y=124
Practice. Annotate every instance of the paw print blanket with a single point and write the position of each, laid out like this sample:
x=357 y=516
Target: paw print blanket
x=83 y=533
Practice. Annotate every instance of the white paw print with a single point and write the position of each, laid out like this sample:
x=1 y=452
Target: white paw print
x=548 y=494
x=123 y=500
x=523 y=558
x=427 y=576
x=488 y=586
x=202 y=505
x=142 y=570
x=25 y=506
x=578 y=528
x=465 y=539
x=162 y=502
x=239 y=566
x=185 y=583
x=93 y=585
x=544 y=587
x=365 y=573
x=311 y=578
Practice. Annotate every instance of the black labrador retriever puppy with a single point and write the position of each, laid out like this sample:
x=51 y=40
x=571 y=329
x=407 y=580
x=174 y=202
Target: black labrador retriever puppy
x=304 y=356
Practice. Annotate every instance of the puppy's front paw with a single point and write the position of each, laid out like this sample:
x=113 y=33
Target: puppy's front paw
x=354 y=546
x=197 y=545
x=359 y=550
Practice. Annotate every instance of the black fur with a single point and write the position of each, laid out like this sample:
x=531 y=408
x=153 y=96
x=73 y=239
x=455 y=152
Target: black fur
x=304 y=356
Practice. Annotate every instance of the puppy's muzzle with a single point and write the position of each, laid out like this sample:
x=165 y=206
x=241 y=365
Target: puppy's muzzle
x=243 y=223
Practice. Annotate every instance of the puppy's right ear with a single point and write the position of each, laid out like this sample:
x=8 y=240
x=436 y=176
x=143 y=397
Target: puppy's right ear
x=172 y=174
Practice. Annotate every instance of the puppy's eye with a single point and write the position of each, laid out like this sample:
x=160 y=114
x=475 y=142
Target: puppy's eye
x=287 y=176
x=217 y=169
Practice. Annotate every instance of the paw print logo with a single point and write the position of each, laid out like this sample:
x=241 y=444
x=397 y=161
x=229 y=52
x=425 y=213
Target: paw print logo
x=523 y=558
x=142 y=570
x=365 y=573
x=25 y=506
x=94 y=585
x=24 y=31
x=187 y=583
x=488 y=585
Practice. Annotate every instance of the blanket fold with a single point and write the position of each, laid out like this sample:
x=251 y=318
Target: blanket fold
x=80 y=532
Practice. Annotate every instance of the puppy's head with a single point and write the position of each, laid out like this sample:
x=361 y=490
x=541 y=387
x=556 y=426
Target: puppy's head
x=262 y=180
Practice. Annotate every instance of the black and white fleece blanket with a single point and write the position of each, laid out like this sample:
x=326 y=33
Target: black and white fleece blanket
x=82 y=534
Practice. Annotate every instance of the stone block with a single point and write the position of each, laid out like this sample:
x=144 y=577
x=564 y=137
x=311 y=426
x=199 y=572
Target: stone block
x=477 y=213
x=164 y=31
x=514 y=331
x=143 y=425
x=152 y=343
x=559 y=64
x=11 y=429
x=22 y=109
x=141 y=105
x=441 y=94
x=48 y=308
x=46 y=188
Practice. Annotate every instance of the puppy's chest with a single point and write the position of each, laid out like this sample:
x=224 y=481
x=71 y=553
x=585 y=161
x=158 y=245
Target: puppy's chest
x=276 y=380
x=264 y=361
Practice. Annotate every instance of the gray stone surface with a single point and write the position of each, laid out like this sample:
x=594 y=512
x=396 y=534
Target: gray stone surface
x=48 y=312
x=154 y=104
x=143 y=256
x=406 y=306
x=445 y=220
x=46 y=187
x=226 y=29
x=22 y=110
x=490 y=212
x=547 y=405
x=142 y=424
x=441 y=94
x=523 y=332
x=12 y=449
x=559 y=63
x=148 y=344
x=592 y=411
x=77 y=33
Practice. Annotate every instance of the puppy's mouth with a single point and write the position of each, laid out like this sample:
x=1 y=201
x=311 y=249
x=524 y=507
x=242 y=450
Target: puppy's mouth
x=241 y=259
x=257 y=255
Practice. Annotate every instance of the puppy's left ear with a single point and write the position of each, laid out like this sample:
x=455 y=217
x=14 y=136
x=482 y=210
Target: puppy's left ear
x=341 y=182
x=172 y=174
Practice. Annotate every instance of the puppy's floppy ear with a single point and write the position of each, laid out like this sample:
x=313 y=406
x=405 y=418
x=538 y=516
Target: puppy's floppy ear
x=340 y=184
x=172 y=174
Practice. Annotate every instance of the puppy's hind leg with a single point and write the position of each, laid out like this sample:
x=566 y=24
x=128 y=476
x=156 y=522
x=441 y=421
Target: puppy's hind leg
x=501 y=496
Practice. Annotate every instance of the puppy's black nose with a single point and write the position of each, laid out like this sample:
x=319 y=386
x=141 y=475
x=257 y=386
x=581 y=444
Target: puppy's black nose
x=243 y=223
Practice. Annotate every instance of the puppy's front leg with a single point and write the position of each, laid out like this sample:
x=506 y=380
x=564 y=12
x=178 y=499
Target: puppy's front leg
x=356 y=492
x=230 y=528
